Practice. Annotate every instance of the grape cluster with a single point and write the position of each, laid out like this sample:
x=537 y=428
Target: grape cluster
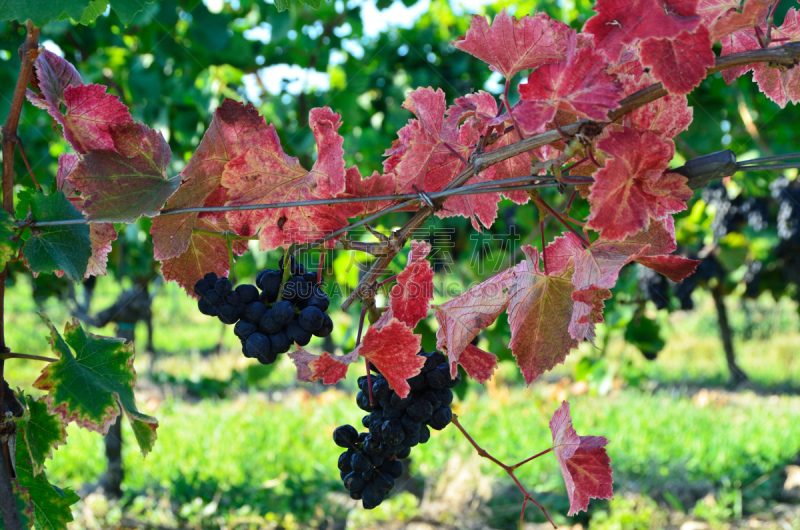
x=654 y=286
x=268 y=321
x=371 y=463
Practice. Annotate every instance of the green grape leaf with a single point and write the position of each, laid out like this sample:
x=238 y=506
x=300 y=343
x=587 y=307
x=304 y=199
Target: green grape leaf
x=92 y=382
x=44 y=432
x=92 y=11
x=51 y=505
x=53 y=248
x=126 y=9
x=313 y=4
x=22 y=496
x=40 y=12
x=281 y=5
x=8 y=248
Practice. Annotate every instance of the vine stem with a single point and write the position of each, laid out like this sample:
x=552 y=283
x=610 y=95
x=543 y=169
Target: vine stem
x=508 y=469
x=508 y=109
x=27 y=52
x=544 y=247
x=366 y=361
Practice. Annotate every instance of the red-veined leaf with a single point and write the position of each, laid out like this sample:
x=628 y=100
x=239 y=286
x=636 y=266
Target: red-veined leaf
x=393 y=350
x=622 y=22
x=410 y=298
x=584 y=464
x=478 y=364
x=587 y=311
x=634 y=186
x=680 y=64
x=233 y=127
x=666 y=116
x=722 y=17
x=510 y=45
x=53 y=75
x=330 y=368
x=89 y=117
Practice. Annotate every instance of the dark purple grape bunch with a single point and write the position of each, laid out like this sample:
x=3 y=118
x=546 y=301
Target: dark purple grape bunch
x=265 y=325
x=371 y=464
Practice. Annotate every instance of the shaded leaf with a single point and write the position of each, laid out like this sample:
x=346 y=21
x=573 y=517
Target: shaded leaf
x=125 y=184
x=8 y=248
x=539 y=313
x=92 y=382
x=328 y=367
x=90 y=114
x=127 y=9
x=57 y=248
x=53 y=75
x=41 y=12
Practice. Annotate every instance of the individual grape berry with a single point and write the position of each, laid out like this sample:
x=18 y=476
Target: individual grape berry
x=244 y=329
x=354 y=482
x=283 y=312
x=206 y=308
x=424 y=435
x=403 y=453
x=375 y=459
x=297 y=334
x=267 y=324
x=400 y=403
x=201 y=287
x=362 y=400
x=362 y=436
x=228 y=314
x=410 y=426
x=360 y=462
x=391 y=413
x=369 y=474
x=437 y=379
x=270 y=284
x=310 y=277
x=445 y=396
x=417 y=382
x=211 y=278
x=393 y=468
x=223 y=287
x=345 y=436
x=296 y=290
x=253 y=312
x=384 y=482
x=247 y=293
x=371 y=496
x=441 y=418
x=431 y=396
x=212 y=297
x=295 y=268
x=452 y=382
x=344 y=461
x=381 y=389
x=411 y=441
x=268 y=357
x=327 y=327
x=355 y=496
x=392 y=432
x=311 y=319
x=257 y=344
x=362 y=382
x=319 y=299
x=420 y=410
x=280 y=342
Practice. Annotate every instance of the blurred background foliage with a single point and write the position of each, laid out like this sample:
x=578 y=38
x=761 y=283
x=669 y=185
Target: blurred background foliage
x=178 y=59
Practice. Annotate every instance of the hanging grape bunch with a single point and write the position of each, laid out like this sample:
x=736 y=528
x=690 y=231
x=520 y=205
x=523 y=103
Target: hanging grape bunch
x=371 y=463
x=270 y=315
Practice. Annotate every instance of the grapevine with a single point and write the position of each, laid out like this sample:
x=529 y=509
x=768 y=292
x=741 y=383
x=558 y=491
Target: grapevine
x=596 y=118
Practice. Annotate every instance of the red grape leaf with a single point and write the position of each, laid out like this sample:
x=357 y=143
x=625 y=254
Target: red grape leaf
x=393 y=350
x=424 y=158
x=478 y=110
x=622 y=22
x=680 y=64
x=90 y=114
x=124 y=184
x=233 y=127
x=463 y=317
x=587 y=311
x=478 y=364
x=510 y=45
x=561 y=253
x=722 y=17
x=539 y=312
x=330 y=368
x=265 y=174
x=53 y=75
x=667 y=116
x=584 y=464
x=205 y=253
x=373 y=186
x=676 y=268
x=633 y=186
x=411 y=296
x=578 y=85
